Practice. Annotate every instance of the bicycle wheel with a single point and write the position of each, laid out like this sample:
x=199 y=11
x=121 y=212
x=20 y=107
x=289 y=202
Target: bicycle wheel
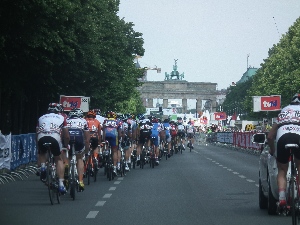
x=89 y=171
x=49 y=182
x=72 y=182
x=294 y=201
x=57 y=192
x=95 y=169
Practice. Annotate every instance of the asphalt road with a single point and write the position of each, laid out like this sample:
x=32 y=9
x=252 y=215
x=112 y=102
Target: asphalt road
x=210 y=185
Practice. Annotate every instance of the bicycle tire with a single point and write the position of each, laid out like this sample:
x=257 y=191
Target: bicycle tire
x=57 y=192
x=294 y=213
x=89 y=171
x=72 y=182
x=49 y=182
x=95 y=170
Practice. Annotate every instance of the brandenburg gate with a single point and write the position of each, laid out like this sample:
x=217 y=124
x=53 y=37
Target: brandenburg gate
x=173 y=87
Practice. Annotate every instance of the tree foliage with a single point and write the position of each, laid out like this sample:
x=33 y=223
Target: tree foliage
x=279 y=74
x=60 y=47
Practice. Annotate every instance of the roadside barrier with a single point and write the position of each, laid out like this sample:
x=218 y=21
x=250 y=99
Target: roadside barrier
x=18 y=156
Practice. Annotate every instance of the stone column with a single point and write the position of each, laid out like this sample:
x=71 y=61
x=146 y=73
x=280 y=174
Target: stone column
x=144 y=100
x=165 y=103
x=150 y=103
x=199 y=105
x=213 y=105
x=184 y=105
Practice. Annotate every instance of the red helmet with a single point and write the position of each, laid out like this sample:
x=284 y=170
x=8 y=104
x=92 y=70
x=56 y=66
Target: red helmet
x=91 y=113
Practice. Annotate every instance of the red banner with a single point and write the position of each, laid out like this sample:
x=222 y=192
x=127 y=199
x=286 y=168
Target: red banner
x=220 y=116
x=270 y=103
x=70 y=102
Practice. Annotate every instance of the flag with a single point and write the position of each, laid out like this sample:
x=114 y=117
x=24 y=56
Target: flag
x=234 y=117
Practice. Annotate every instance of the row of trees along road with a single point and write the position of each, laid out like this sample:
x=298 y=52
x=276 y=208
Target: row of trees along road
x=279 y=74
x=62 y=47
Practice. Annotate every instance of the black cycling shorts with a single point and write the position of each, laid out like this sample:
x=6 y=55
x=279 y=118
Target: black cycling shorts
x=54 y=145
x=284 y=154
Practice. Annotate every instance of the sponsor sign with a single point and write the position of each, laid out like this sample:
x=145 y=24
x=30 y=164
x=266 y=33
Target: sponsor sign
x=220 y=116
x=266 y=103
x=70 y=102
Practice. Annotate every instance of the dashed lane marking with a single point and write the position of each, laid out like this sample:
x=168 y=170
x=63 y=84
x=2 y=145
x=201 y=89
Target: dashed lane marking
x=112 y=188
x=235 y=173
x=107 y=195
x=100 y=203
x=251 y=181
x=92 y=214
x=242 y=176
x=121 y=178
x=117 y=182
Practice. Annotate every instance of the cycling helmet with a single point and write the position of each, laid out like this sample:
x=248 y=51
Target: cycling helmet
x=179 y=118
x=153 y=119
x=295 y=99
x=76 y=113
x=91 y=113
x=97 y=111
x=141 y=117
x=111 y=115
x=166 y=120
x=54 y=108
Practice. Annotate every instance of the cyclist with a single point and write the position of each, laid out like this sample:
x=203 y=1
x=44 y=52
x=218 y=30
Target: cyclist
x=95 y=131
x=51 y=128
x=111 y=133
x=180 y=131
x=286 y=131
x=190 y=131
x=79 y=132
x=167 y=134
x=143 y=133
x=173 y=132
x=155 y=136
x=125 y=134
x=132 y=135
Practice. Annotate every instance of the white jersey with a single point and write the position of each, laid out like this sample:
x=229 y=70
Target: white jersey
x=100 y=118
x=189 y=128
x=287 y=120
x=51 y=123
x=77 y=123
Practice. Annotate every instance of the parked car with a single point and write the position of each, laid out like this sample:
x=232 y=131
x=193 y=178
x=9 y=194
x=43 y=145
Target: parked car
x=268 y=188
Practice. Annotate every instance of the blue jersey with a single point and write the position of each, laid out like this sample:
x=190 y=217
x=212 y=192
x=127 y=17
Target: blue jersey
x=167 y=128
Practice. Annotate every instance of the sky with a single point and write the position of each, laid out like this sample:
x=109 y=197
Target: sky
x=213 y=39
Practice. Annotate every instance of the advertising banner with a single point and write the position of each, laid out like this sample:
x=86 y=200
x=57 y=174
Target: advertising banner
x=220 y=116
x=5 y=151
x=266 y=103
x=70 y=102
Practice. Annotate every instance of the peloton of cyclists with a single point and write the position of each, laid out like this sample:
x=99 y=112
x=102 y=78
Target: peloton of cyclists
x=155 y=136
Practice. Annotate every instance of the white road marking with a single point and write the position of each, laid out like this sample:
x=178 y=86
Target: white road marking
x=121 y=178
x=112 y=188
x=229 y=169
x=225 y=167
x=117 y=182
x=92 y=214
x=100 y=203
x=256 y=185
x=251 y=181
x=235 y=172
x=107 y=196
x=220 y=165
x=242 y=176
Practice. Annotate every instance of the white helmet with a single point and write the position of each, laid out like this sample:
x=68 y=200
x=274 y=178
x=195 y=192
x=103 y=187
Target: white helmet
x=295 y=99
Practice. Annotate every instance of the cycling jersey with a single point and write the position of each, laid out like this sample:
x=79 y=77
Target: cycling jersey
x=145 y=128
x=156 y=129
x=95 y=131
x=111 y=127
x=288 y=132
x=49 y=129
x=76 y=127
